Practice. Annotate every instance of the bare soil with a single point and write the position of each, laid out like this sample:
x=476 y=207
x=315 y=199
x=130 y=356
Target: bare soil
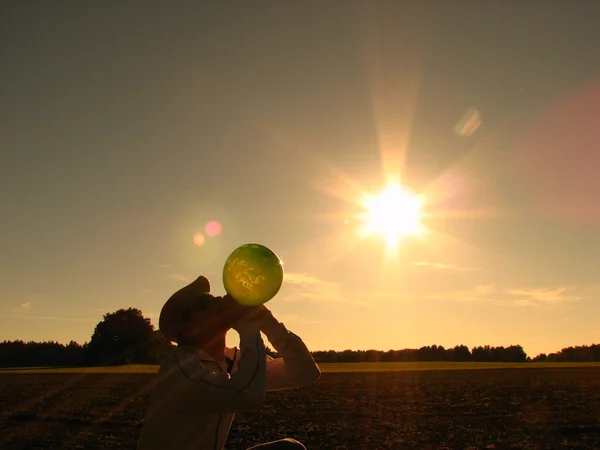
x=511 y=408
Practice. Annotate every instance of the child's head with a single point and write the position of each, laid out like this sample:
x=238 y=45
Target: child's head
x=193 y=316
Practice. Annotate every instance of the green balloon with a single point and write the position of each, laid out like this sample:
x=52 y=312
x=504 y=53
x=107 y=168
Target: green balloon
x=253 y=274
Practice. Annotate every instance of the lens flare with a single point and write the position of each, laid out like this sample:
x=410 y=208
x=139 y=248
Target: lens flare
x=213 y=228
x=199 y=239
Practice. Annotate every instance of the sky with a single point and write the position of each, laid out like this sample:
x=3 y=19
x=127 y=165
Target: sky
x=125 y=129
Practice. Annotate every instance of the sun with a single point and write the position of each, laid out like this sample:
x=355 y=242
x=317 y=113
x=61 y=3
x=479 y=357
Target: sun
x=393 y=214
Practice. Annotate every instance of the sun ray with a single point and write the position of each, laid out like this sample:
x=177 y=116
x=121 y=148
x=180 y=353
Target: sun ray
x=393 y=92
x=337 y=183
x=393 y=89
x=468 y=213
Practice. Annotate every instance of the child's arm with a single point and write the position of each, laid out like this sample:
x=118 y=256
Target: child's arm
x=202 y=387
x=296 y=366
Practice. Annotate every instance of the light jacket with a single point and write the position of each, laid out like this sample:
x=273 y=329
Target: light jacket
x=194 y=398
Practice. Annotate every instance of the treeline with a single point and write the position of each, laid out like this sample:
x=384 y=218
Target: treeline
x=41 y=354
x=582 y=353
x=127 y=337
x=122 y=337
x=459 y=353
x=54 y=354
x=154 y=349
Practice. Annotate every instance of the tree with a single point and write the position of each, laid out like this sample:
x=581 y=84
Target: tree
x=372 y=356
x=461 y=353
x=74 y=354
x=515 y=353
x=123 y=337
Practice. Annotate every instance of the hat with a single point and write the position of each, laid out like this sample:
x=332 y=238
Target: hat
x=172 y=315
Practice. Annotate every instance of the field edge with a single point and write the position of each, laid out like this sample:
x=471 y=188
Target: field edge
x=325 y=367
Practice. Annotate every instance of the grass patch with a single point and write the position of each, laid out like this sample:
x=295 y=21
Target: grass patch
x=325 y=367
x=417 y=366
x=133 y=368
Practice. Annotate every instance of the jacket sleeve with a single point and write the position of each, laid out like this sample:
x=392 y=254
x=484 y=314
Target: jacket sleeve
x=202 y=387
x=296 y=366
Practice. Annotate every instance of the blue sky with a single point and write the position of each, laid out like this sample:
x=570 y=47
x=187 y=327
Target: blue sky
x=124 y=130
